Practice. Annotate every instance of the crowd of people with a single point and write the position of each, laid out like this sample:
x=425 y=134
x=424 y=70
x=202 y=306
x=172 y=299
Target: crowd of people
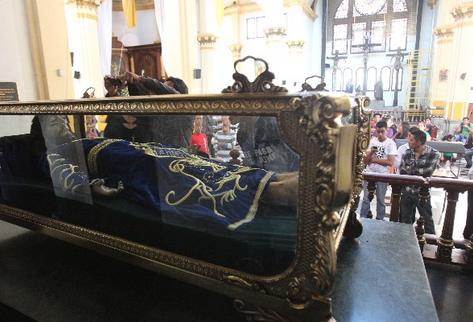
x=387 y=154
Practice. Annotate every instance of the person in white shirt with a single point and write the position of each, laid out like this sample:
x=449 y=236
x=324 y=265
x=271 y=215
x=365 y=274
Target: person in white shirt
x=401 y=150
x=379 y=158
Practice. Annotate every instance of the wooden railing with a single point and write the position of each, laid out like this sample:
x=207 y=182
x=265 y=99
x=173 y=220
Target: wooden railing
x=433 y=248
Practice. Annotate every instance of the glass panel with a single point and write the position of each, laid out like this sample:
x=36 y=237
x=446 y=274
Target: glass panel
x=167 y=181
x=357 y=37
x=340 y=35
x=369 y=7
x=398 y=34
x=378 y=35
x=399 y=5
x=386 y=78
x=342 y=11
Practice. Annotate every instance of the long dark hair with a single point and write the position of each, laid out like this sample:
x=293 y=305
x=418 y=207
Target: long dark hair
x=405 y=131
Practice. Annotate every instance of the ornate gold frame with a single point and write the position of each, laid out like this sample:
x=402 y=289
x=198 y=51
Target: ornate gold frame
x=309 y=123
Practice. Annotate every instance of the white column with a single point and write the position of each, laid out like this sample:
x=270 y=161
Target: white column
x=207 y=53
x=296 y=35
x=276 y=48
x=84 y=43
x=296 y=59
x=207 y=39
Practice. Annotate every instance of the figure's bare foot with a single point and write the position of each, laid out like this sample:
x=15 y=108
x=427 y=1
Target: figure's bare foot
x=98 y=187
x=283 y=190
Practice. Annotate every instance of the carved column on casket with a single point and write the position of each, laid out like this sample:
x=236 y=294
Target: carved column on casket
x=84 y=44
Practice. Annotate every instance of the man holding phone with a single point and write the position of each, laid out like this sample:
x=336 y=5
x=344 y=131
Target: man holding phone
x=379 y=158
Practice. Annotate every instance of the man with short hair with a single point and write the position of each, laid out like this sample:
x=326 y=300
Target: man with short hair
x=379 y=157
x=419 y=160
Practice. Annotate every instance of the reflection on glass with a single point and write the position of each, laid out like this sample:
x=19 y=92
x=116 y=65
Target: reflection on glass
x=218 y=188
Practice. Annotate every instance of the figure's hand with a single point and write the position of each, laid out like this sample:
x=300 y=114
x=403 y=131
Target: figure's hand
x=128 y=77
x=99 y=187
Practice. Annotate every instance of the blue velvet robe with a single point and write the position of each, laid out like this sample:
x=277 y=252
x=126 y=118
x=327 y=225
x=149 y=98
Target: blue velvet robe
x=186 y=189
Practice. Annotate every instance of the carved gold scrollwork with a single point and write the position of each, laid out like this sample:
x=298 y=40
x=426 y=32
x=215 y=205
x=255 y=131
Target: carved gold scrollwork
x=262 y=83
x=361 y=116
x=256 y=313
x=319 y=120
x=319 y=123
x=241 y=282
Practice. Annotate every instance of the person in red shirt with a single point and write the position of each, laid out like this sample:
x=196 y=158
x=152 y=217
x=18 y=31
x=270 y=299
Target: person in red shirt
x=198 y=138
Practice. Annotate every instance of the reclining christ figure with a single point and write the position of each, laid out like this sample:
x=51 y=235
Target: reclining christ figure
x=182 y=187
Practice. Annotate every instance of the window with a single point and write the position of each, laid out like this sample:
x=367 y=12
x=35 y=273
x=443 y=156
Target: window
x=342 y=11
x=399 y=5
x=255 y=27
x=340 y=38
x=378 y=35
x=358 y=36
x=369 y=7
x=385 y=76
x=398 y=34
x=384 y=21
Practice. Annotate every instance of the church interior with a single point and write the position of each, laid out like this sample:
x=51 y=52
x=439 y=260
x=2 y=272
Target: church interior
x=210 y=160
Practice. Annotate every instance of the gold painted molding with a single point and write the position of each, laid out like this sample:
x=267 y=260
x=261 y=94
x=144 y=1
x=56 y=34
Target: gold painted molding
x=275 y=31
x=432 y=3
x=444 y=32
x=206 y=40
x=140 y=5
x=296 y=44
x=235 y=48
x=91 y=4
x=86 y=15
x=463 y=11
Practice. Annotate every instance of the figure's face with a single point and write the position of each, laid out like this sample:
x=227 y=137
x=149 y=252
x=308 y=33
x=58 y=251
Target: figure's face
x=226 y=121
x=413 y=143
x=421 y=126
x=377 y=118
x=428 y=121
x=169 y=83
x=381 y=133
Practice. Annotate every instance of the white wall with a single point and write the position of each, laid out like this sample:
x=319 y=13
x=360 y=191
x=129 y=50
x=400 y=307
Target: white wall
x=144 y=33
x=16 y=62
